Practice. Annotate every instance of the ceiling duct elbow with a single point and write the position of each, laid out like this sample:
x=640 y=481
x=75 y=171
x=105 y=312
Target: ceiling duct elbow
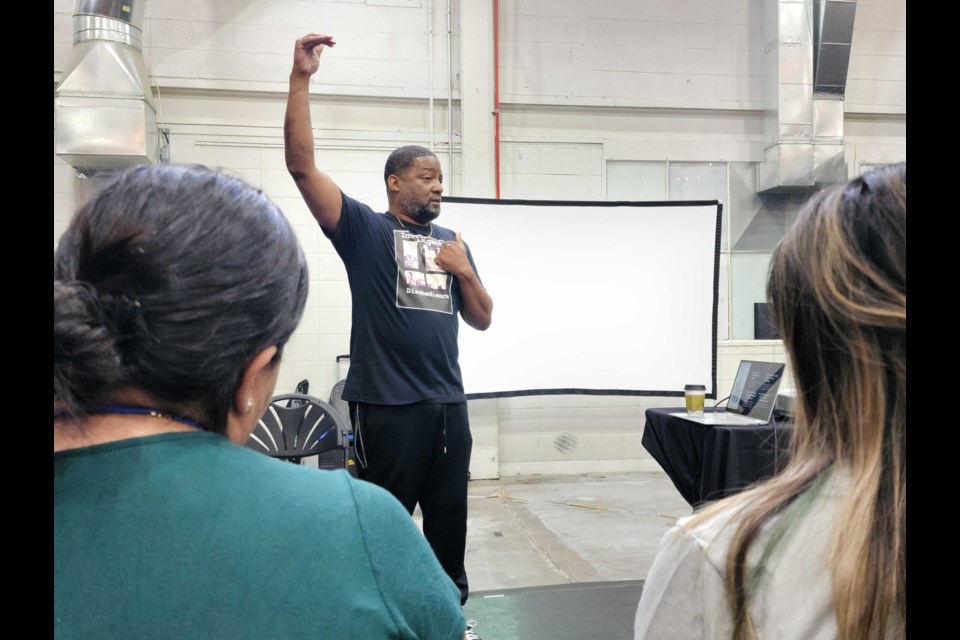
x=806 y=59
x=104 y=112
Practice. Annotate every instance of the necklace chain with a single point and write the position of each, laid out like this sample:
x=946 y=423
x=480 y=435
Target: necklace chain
x=143 y=411
x=429 y=224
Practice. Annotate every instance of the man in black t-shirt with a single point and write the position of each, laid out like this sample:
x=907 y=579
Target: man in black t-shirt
x=409 y=280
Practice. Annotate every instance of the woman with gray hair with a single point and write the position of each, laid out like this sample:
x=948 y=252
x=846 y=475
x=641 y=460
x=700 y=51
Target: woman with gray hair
x=175 y=291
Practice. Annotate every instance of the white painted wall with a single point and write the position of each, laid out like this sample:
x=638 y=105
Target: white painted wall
x=877 y=76
x=582 y=83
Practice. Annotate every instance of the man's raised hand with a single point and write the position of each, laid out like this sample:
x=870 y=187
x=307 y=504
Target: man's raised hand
x=306 y=54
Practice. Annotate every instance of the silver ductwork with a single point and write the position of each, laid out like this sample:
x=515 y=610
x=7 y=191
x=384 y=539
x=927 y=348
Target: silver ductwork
x=806 y=59
x=104 y=110
x=833 y=22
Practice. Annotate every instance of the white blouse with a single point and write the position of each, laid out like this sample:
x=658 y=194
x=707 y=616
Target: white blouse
x=684 y=595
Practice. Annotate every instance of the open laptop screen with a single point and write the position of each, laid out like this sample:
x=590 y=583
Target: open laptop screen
x=755 y=388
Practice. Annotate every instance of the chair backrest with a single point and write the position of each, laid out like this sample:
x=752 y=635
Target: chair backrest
x=303 y=388
x=339 y=403
x=309 y=426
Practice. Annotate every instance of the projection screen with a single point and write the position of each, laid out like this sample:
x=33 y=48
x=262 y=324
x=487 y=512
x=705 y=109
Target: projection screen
x=605 y=298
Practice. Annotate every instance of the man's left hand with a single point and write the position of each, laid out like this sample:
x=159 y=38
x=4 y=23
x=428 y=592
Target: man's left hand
x=452 y=257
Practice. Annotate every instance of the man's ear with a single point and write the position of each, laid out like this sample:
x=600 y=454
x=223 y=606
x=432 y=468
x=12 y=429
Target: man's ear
x=393 y=183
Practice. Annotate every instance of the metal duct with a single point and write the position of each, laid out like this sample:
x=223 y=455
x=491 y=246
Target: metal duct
x=832 y=39
x=807 y=55
x=104 y=112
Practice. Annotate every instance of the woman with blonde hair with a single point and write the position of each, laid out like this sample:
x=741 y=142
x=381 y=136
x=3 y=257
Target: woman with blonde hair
x=818 y=551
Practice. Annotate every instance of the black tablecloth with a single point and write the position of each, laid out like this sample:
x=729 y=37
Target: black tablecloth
x=707 y=462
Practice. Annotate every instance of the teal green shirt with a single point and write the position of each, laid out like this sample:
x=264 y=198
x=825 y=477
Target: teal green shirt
x=187 y=535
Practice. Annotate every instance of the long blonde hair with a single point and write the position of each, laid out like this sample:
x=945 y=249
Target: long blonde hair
x=838 y=292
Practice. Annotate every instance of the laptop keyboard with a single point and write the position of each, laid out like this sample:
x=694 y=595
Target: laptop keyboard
x=732 y=418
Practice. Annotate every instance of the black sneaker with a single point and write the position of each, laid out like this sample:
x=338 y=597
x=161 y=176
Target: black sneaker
x=471 y=634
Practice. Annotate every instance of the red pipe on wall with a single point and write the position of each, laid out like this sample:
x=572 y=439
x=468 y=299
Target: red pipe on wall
x=496 y=91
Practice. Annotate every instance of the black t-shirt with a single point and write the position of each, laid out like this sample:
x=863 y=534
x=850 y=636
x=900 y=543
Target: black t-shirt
x=403 y=337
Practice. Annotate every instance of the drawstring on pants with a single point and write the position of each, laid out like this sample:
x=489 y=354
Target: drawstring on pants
x=358 y=436
x=359 y=450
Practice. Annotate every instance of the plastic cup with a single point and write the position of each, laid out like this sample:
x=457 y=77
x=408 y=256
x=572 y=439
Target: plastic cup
x=695 y=394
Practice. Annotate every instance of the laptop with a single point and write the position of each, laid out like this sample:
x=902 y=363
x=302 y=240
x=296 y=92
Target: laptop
x=752 y=398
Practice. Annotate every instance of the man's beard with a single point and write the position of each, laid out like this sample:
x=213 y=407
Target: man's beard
x=424 y=213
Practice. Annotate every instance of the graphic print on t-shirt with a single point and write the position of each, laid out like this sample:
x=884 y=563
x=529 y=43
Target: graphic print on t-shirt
x=421 y=284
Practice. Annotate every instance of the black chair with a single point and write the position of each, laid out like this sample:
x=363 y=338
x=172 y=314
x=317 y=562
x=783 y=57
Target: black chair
x=303 y=388
x=341 y=405
x=338 y=403
x=297 y=426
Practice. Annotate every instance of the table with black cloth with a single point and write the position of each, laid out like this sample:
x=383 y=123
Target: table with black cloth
x=708 y=462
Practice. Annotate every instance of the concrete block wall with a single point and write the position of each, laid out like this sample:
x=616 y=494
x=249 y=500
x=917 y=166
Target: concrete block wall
x=689 y=54
x=383 y=46
x=700 y=54
x=877 y=75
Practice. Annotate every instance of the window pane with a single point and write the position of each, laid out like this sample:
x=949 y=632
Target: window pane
x=636 y=181
x=698 y=181
x=749 y=273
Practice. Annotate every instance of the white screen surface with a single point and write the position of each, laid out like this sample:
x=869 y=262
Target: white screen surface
x=596 y=298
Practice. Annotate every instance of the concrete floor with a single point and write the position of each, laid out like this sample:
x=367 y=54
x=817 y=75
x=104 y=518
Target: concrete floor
x=533 y=531
x=562 y=557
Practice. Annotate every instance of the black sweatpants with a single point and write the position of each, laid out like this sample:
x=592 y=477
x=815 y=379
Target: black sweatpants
x=421 y=454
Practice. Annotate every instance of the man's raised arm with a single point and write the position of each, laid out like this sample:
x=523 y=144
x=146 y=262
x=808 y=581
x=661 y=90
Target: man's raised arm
x=319 y=191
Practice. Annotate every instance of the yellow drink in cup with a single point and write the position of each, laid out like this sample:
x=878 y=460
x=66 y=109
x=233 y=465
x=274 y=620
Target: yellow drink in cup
x=695 y=394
